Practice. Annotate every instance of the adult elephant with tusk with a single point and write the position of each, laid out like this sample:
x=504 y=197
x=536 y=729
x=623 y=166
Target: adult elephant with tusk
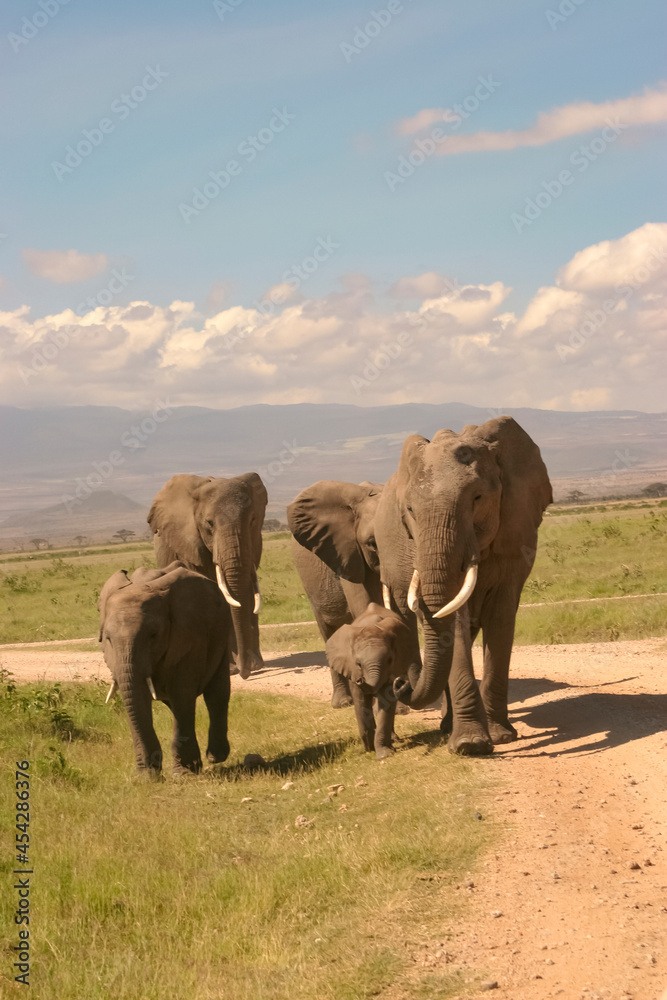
x=456 y=532
x=214 y=526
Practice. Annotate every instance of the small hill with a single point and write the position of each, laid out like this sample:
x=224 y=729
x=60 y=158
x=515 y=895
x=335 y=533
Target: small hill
x=96 y=516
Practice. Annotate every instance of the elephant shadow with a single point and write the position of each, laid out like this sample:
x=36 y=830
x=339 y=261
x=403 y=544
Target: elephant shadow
x=524 y=688
x=606 y=719
x=291 y=660
x=304 y=761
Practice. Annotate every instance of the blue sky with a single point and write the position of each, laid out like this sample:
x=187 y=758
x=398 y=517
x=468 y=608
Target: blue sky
x=324 y=174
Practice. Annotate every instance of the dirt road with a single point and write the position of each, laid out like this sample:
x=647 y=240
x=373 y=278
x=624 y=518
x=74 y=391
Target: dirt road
x=572 y=902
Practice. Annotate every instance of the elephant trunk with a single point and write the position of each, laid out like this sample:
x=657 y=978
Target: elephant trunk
x=133 y=673
x=445 y=552
x=425 y=684
x=234 y=561
x=373 y=676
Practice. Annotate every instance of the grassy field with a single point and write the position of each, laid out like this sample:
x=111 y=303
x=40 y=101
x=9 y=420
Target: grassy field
x=601 y=551
x=204 y=887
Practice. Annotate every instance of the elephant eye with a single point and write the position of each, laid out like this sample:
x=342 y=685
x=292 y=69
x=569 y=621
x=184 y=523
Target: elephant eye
x=410 y=510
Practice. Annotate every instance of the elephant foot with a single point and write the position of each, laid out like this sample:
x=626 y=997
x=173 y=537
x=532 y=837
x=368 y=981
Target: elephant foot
x=218 y=755
x=470 y=740
x=502 y=732
x=192 y=767
x=383 y=752
x=340 y=700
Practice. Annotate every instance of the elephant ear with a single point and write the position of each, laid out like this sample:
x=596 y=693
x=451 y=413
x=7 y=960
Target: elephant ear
x=323 y=518
x=258 y=498
x=410 y=464
x=525 y=485
x=340 y=653
x=172 y=520
x=256 y=487
x=112 y=586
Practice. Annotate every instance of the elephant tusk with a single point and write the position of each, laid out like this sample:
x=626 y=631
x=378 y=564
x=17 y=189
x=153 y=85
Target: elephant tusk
x=151 y=688
x=223 y=587
x=463 y=594
x=112 y=691
x=386 y=597
x=413 y=599
x=258 y=602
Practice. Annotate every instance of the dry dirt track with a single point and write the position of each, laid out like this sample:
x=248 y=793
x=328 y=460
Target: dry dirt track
x=573 y=901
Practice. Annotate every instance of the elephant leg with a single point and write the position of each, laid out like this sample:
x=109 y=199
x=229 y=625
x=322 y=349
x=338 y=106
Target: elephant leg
x=184 y=746
x=216 y=696
x=447 y=720
x=499 y=619
x=385 y=722
x=470 y=734
x=340 y=695
x=340 y=686
x=363 y=708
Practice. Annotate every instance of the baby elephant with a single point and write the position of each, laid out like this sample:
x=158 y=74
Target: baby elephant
x=370 y=653
x=165 y=635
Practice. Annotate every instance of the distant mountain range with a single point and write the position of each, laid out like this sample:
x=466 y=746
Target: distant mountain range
x=95 y=453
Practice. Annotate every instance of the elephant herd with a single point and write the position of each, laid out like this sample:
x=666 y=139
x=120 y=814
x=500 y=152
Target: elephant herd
x=448 y=542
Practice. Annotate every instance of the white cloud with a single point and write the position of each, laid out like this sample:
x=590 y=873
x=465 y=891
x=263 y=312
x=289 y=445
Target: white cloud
x=604 y=265
x=572 y=119
x=567 y=349
x=550 y=305
x=422 y=120
x=64 y=267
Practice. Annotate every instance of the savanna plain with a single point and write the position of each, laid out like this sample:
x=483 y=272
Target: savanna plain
x=320 y=872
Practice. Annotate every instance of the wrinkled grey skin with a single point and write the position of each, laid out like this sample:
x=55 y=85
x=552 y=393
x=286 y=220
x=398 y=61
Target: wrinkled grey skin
x=334 y=551
x=172 y=626
x=371 y=653
x=478 y=495
x=204 y=521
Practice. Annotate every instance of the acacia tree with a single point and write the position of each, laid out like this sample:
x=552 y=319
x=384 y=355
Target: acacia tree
x=123 y=534
x=39 y=542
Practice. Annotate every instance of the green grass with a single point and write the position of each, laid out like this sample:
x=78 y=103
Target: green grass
x=600 y=554
x=616 y=550
x=165 y=890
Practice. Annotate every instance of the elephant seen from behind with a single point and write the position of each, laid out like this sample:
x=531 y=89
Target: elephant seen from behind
x=165 y=635
x=214 y=526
